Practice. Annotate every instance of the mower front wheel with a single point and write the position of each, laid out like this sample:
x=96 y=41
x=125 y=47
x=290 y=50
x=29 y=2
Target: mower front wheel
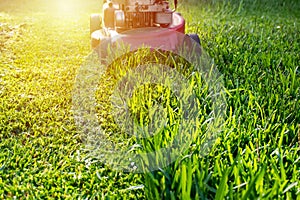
x=95 y=22
x=195 y=37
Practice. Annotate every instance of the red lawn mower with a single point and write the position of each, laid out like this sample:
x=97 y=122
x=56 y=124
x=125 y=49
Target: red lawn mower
x=149 y=22
x=156 y=69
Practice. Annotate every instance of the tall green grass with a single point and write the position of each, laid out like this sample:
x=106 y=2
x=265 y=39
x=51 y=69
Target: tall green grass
x=254 y=44
x=260 y=64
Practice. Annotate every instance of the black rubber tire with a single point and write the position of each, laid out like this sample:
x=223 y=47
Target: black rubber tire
x=195 y=37
x=95 y=22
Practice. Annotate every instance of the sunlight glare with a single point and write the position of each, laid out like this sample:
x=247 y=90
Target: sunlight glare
x=66 y=7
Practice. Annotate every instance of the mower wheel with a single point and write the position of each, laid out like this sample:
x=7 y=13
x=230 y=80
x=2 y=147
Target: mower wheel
x=95 y=22
x=195 y=37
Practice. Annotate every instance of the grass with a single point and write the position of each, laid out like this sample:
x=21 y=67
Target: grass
x=255 y=45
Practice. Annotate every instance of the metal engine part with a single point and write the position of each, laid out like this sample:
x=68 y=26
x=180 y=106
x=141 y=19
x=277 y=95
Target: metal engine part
x=128 y=14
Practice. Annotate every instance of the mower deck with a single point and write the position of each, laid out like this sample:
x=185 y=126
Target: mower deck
x=155 y=37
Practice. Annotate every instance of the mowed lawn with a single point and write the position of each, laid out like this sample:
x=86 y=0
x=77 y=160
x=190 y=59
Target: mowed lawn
x=254 y=44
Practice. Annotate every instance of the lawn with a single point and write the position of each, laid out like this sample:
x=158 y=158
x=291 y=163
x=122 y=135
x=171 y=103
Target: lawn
x=254 y=44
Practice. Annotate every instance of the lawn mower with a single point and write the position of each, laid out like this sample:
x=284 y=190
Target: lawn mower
x=137 y=22
x=150 y=86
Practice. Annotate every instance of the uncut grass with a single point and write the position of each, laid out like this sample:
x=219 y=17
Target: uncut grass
x=144 y=98
x=260 y=62
x=256 y=156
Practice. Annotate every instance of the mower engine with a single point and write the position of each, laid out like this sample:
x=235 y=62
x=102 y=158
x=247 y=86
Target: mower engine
x=138 y=22
x=124 y=15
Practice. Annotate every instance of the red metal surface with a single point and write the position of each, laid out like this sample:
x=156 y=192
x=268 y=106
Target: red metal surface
x=154 y=37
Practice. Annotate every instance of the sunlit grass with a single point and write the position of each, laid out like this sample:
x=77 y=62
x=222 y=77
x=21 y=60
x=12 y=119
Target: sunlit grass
x=44 y=43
